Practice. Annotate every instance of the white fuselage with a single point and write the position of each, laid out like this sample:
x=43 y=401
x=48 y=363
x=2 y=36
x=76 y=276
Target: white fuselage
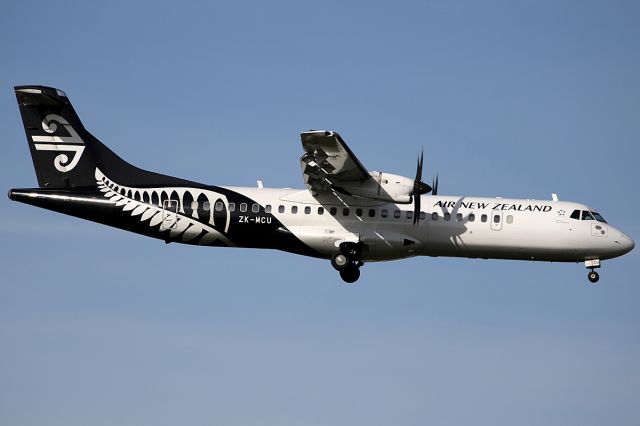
x=457 y=226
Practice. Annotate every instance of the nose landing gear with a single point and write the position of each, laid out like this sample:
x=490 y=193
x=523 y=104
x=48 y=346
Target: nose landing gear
x=348 y=261
x=592 y=265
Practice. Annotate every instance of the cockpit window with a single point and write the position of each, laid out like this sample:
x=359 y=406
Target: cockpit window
x=587 y=215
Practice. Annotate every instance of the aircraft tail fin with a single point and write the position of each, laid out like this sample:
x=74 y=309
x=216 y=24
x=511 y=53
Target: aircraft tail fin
x=57 y=139
x=64 y=153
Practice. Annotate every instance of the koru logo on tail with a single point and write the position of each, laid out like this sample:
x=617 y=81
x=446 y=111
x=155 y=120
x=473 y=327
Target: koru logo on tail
x=70 y=144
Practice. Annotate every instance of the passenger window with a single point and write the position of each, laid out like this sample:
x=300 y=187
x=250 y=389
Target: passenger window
x=255 y=208
x=409 y=214
x=206 y=206
x=586 y=215
x=434 y=216
x=232 y=207
x=447 y=216
x=320 y=210
x=194 y=205
x=472 y=217
x=384 y=213
x=483 y=218
x=396 y=214
x=372 y=212
x=358 y=212
x=280 y=209
x=243 y=207
x=575 y=215
x=333 y=211
x=496 y=218
x=267 y=208
x=218 y=206
x=509 y=219
x=345 y=211
x=307 y=210
x=294 y=209
x=459 y=217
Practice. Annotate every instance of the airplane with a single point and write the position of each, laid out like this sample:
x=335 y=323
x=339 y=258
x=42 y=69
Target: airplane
x=346 y=214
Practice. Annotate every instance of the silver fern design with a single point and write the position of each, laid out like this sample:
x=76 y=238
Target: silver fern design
x=183 y=223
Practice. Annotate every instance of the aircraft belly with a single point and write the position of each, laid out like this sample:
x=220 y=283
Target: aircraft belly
x=323 y=239
x=381 y=244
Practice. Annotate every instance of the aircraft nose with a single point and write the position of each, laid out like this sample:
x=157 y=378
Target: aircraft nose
x=630 y=244
x=626 y=244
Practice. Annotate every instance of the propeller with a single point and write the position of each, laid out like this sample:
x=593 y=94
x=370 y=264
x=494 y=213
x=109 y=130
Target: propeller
x=419 y=188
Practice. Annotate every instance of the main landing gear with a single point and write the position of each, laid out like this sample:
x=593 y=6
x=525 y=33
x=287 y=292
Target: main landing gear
x=592 y=265
x=348 y=261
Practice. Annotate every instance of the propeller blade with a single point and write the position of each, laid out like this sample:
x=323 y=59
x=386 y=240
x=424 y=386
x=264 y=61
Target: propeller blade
x=419 y=188
x=419 y=168
x=434 y=191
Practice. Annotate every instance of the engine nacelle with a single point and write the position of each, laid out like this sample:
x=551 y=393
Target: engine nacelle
x=384 y=187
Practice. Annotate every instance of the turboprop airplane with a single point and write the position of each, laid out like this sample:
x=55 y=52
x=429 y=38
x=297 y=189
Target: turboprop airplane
x=346 y=214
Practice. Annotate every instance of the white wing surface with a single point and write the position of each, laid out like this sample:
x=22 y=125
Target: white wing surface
x=329 y=165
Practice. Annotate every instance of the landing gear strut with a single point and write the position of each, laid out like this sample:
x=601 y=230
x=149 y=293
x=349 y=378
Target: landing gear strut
x=592 y=265
x=348 y=261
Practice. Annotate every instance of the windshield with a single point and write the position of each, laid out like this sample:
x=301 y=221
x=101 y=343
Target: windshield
x=598 y=217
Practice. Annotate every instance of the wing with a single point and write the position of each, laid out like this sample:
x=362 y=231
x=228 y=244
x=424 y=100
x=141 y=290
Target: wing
x=328 y=163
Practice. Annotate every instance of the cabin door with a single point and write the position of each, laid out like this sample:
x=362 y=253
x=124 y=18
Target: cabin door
x=169 y=214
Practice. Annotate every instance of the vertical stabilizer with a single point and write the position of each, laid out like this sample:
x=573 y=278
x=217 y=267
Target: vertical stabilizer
x=60 y=145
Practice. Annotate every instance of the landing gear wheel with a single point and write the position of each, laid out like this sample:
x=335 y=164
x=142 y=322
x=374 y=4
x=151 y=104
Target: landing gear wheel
x=348 y=261
x=593 y=277
x=340 y=262
x=350 y=274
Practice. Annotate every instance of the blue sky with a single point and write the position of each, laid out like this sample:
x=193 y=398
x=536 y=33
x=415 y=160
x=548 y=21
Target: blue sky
x=513 y=99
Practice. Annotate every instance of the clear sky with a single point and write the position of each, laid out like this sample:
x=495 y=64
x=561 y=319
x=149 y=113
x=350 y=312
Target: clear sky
x=508 y=98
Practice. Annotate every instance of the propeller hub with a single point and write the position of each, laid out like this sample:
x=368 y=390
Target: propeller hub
x=420 y=187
